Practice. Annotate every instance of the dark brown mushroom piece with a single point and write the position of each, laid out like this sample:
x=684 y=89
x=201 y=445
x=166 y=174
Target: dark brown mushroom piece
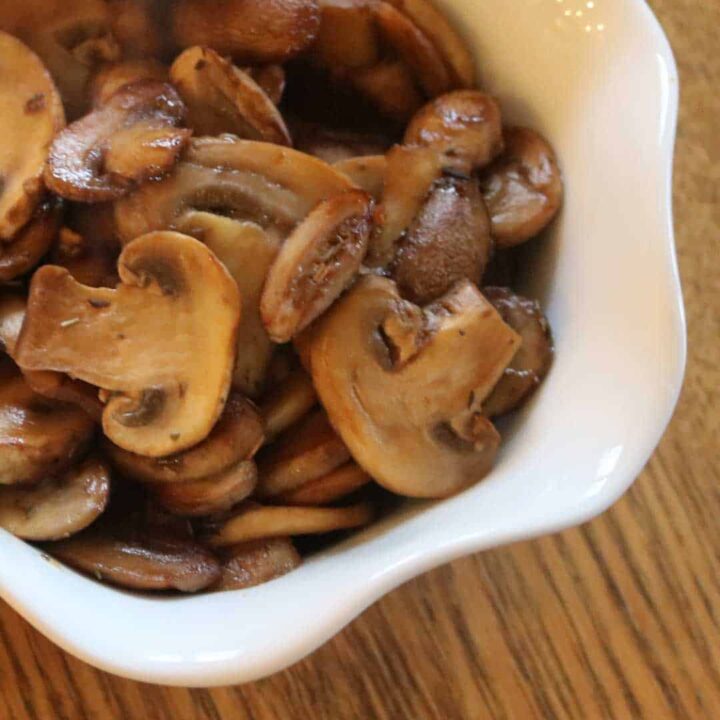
x=448 y=241
x=533 y=359
x=523 y=189
x=132 y=137
x=137 y=25
x=271 y=78
x=256 y=562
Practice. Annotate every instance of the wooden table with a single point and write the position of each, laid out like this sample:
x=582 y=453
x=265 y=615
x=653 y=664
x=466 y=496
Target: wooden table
x=617 y=619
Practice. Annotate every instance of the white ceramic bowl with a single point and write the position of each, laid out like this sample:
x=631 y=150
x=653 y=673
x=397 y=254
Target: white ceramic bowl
x=599 y=79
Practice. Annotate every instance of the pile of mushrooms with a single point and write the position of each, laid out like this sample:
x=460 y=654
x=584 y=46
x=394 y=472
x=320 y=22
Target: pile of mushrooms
x=228 y=320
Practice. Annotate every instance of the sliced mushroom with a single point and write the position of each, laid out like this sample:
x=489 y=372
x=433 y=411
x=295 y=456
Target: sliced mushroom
x=465 y=125
x=162 y=344
x=110 y=78
x=532 y=361
x=368 y=173
x=139 y=560
x=307 y=451
x=32 y=242
x=251 y=31
x=409 y=416
x=447 y=41
x=31 y=115
x=12 y=314
x=58 y=507
x=316 y=264
x=523 y=189
x=91 y=260
x=236 y=436
x=273 y=186
x=221 y=98
x=287 y=403
x=347 y=37
x=76 y=163
x=137 y=26
x=271 y=78
x=333 y=145
x=199 y=498
x=329 y=488
x=390 y=87
x=72 y=37
x=413 y=47
x=256 y=562
x=448 y=241
x=257 y=522
x=409 y=175
x=38 y=437
x=248 y=253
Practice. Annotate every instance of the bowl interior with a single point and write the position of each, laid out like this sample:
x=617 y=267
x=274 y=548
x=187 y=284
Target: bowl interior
x=598 y=79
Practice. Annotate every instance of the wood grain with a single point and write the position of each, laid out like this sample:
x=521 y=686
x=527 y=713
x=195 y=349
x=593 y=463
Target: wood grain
x=617 y=619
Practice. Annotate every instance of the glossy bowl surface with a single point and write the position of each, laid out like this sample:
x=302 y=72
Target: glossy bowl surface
x=599 y=79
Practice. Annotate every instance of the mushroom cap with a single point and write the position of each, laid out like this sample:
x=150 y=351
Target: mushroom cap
x=523 y=189
x=256 y=562
x=236 y=436
x=76 y=162
x=247 y=252
x=31 y=113
x=448 y=241
x=273 y=186
x=251 y=31
x=221 y=98
x=38 y=437
x=317 y=263
x=162 y=343
x=404 y=387
x=58 y=507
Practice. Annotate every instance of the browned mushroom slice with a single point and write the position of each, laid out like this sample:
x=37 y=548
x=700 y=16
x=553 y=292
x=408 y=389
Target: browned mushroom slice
x=251 y=31
x=38 y=437
x=32 y=242
x=531 y=362
x=316 y=264
x=409 y=175
x=449 y=241
x=58 y=507
x=75 y=167
x=72 y=37
x=237 y=435
x=348 y=37
x=416 y=427
x=12 y=314
x=306 y=451
x=273 y=186
x=523 y=189
x=110 y=78
x=390 y=87
x=447 y=41
x=327 y=489
x=256 y=562
x=139 y=560
x=91 y=260
x=466 y=125
x=31 y=115
x=162 y=344
x=368 y=173
x=413 y=47
x=247 y=252
x=287 y=403
x=221 y=98
x=256 y=522
x=136 y=24
x=334 y=145
x=271 y=78
x=199 y=498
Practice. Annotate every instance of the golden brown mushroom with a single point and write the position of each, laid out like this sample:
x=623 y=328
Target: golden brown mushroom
x=347 y=37
x=162 y=345
x=221 y=98
x=110 y=78
x=271 y=78
x=38 y=437
x=328 y=488
x=367 y=172
x=131 y=138
x=531 y=362
x=523 y=189
x=288 y=402
x=32 y=114
x=251 y=31
x=316 y=264
x=404 y=387
x=58 y=507
x=257 y=562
